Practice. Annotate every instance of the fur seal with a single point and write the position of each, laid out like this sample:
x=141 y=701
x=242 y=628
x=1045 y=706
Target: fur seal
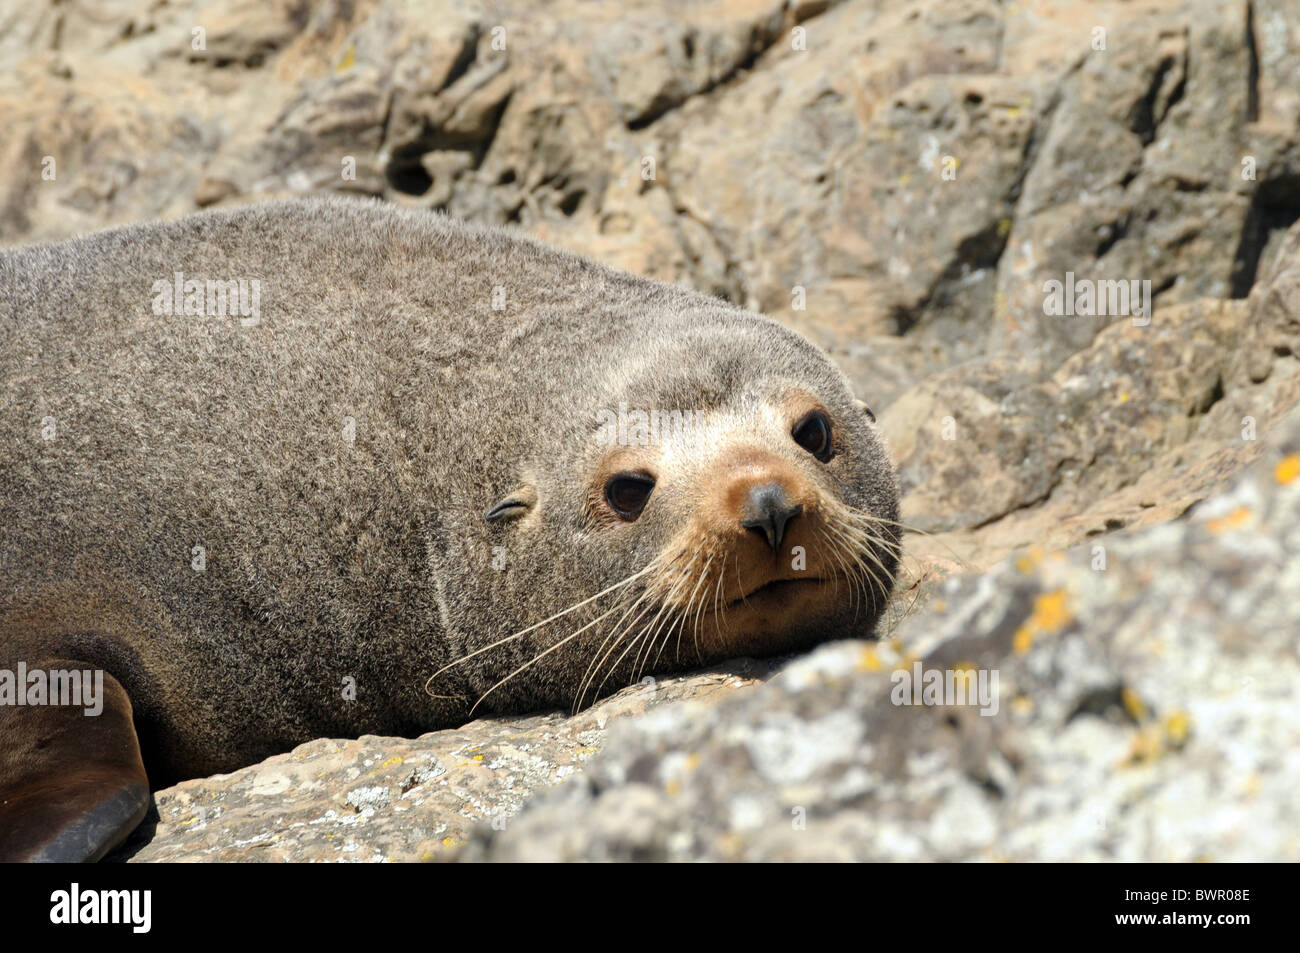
x=328 y=467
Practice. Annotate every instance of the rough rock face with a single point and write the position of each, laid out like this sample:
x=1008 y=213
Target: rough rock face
x=1136 y=410
x=385 y=799
x=901 y=179
x=1145 y=710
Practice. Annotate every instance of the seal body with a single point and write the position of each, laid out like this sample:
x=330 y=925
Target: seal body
x=325 y=468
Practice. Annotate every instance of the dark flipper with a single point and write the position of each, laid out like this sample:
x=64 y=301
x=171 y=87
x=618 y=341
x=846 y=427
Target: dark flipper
x=72 y=785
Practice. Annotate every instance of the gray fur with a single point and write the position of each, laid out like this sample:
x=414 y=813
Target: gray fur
x=327 y=559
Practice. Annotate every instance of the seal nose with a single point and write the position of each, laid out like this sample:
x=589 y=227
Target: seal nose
x=767 y=511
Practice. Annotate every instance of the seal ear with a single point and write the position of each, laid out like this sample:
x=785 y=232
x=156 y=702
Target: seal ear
x=865 y=409
x=518 y=502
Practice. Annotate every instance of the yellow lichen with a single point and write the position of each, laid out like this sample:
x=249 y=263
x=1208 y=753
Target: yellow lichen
x=1051 y=614
x=869 y=660
x=1133 y=704
x=1287 y=469
x=1029 y=560
x=1178 y=726
x=1154 y=739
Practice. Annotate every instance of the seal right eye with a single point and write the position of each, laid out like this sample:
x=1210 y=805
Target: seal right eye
x=813 y=433
x=628 y=493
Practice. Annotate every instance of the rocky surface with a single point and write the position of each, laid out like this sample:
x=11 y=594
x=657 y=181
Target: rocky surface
x=386 y=799
x=1145 y=709
x=899 y=179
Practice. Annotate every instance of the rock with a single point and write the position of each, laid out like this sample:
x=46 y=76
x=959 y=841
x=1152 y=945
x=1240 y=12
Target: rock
x=1144 y=710
x=394 y=799
x=1131 y=430
x=844 y=178
x=1143 y=173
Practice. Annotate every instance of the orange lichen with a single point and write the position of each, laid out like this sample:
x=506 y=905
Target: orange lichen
x=1234 y=520
x=1051 y=614
x=869 y=660
x=1028 y=561
x=1287 y=469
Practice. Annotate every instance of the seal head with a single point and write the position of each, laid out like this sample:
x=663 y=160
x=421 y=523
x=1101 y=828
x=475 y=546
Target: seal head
x=721 y=493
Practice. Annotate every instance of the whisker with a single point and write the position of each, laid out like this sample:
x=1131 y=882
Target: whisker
x=540 y=656
x=616 y=633
x=522 y=632
x=614 y=667
x=682 y=580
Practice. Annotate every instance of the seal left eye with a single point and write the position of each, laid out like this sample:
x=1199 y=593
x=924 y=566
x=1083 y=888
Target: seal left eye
x=628 y=493
x=813 y=433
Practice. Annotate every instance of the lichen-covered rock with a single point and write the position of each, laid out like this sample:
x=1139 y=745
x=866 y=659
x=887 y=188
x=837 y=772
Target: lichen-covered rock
x=1144 y=709
x=395 y=799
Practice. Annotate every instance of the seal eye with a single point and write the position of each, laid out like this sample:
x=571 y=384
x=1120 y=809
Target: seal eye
x=627 y=493
x=813 y=433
